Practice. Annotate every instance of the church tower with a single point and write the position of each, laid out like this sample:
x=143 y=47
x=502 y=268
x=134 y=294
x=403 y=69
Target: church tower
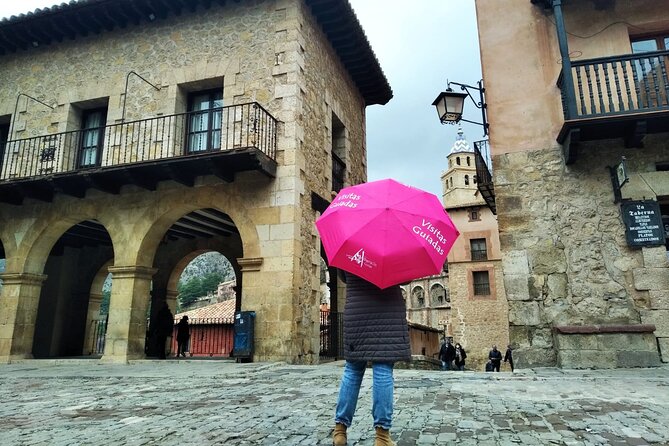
x=459 y=180
x=479 y=310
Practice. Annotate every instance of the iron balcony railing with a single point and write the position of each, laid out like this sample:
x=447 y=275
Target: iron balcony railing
x=180 y=135
x=617 y=85
x=484 y=181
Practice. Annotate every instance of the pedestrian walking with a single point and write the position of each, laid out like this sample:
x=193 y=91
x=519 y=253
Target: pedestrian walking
x=163 y=329
x=183 y=335
x=495 y=357
x=460 y=356
x=446 y=354
x=508 y=357
x=375 y=330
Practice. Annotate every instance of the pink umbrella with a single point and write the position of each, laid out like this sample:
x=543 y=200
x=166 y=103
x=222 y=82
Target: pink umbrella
x=386 y=232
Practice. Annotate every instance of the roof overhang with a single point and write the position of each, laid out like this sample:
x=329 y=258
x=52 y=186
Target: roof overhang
x=69 y=21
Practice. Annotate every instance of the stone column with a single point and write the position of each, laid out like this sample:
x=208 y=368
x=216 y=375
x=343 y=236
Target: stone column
x=19 y=299
x=128 y=307
x=94 y=302
x=171 y=299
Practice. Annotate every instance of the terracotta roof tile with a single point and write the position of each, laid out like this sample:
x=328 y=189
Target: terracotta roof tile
x=222 y=310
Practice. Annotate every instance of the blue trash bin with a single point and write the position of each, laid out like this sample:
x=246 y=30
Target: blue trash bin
x=242 y=348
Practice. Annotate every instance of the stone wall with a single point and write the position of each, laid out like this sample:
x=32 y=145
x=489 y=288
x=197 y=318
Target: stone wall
x=565 y=258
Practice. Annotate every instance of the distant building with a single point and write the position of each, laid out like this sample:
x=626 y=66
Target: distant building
x=467 y=300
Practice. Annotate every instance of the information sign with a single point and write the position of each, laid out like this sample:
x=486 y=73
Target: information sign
x=643 y=223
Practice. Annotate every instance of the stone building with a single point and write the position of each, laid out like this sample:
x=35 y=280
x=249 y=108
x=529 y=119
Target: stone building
x=467 y=301
x=572 y=88
x=136 y=135
x=479 y=312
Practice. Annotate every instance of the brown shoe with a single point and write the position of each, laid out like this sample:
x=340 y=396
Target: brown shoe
x=383 y=438
x=339 y=435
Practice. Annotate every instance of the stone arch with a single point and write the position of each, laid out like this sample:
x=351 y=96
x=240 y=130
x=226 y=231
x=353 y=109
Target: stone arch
x=418 y=297
x=64 y=305
x=181 y=265
x=38 y=241
x=437 y=295
x=180 y=205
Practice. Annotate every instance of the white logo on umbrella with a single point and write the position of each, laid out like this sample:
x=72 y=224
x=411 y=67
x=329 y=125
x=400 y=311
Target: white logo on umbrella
x=359 y=258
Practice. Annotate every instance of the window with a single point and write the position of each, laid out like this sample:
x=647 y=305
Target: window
x=466 y=180
x=474 y=215
x=418 y=297
x=481 y=283
x=338 y=154
x=650 y=72
x=457 y=160
x=92 y=136
x=653 y=43
x=204 y=120
x=437 y=295
x=451 y=181
x=478 y=249
x=469 y=163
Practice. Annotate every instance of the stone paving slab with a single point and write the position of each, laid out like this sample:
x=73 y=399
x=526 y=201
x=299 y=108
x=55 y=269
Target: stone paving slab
x=188 y=402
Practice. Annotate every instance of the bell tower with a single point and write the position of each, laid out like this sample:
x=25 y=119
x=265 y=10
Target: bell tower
x=459 y=179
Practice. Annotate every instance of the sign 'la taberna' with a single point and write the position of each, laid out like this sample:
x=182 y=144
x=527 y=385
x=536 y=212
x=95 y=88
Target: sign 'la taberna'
x=643 y=223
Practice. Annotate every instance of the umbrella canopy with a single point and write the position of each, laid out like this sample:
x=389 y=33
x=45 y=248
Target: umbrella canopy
x=386 y=232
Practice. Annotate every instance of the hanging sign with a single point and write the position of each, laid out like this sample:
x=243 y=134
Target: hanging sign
x=643 y=223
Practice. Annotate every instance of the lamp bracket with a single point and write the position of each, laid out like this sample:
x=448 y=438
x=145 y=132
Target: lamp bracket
x=481 y=104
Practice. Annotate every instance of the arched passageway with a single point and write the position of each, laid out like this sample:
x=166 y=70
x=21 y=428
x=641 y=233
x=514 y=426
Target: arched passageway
x=190 y=236
x=62 y=322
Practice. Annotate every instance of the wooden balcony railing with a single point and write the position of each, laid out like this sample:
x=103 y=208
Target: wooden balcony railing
x=245 y=126
x=625 y=84
x=484 y=182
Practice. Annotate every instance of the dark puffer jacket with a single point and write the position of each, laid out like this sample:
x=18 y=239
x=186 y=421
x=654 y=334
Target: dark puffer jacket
x=375 y=323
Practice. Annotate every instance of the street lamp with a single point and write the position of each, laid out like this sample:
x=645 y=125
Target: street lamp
x=450 y=104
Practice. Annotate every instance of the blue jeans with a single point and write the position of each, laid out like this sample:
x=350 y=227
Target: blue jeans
x=382 y=393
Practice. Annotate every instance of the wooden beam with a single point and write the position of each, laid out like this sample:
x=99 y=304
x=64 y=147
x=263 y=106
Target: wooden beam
x=636 y=134
x=94 y=181
x=570 y=146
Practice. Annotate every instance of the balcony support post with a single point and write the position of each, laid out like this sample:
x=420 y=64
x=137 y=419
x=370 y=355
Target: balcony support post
x=567 y=77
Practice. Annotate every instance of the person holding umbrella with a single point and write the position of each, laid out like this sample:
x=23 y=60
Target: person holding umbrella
x=375 y=330
x=382 y=233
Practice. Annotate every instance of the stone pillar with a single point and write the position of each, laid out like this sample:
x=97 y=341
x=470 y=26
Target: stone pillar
x=19 y=299
x=94 y=302
x=171 y=300
x=128 y=307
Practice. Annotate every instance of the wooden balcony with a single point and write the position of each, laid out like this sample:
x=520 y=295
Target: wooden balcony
x=623 y=96
x=484 y=181
x=181 y=147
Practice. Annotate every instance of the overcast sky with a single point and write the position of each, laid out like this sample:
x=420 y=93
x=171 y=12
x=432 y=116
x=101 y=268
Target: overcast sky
x=420 y=45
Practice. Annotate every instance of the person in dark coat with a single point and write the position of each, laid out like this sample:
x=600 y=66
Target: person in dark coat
x=183 y=335
x=460 y=356
x=165 y=325
x=495 y=357
x=508 y=357
x=447 y=355
x=375 y=330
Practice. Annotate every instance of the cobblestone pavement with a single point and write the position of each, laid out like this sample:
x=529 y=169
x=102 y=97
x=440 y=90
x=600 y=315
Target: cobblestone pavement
x=202 y=403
